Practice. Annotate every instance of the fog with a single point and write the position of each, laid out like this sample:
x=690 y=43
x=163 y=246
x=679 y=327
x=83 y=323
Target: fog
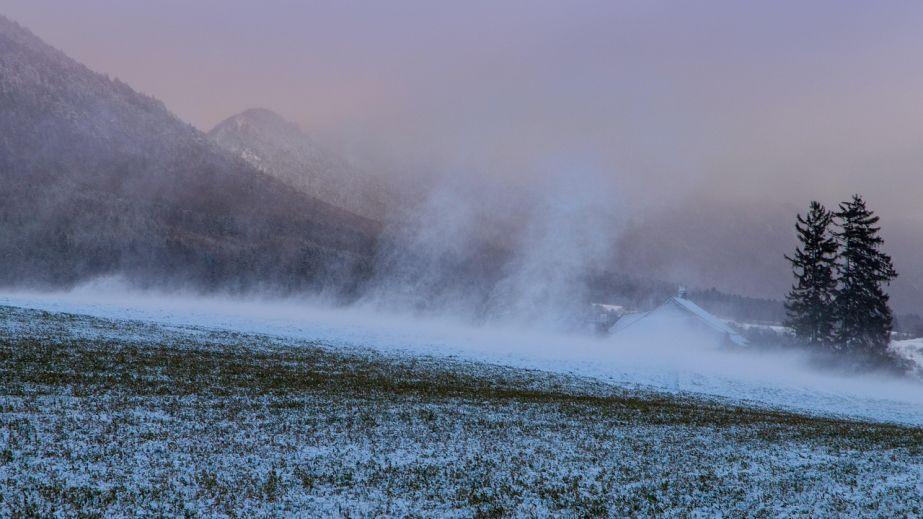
x=718 y=105
x=539 y=144
x=526 y=264
x=675 y=360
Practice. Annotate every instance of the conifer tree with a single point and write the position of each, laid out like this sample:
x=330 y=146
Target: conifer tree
x=809 y=304
x=862 y=305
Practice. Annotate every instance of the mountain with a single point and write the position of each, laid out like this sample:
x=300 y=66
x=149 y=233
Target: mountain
x=281 y=149
x=96 y=178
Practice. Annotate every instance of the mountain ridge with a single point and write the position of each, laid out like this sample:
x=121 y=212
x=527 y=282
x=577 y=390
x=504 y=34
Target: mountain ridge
x=281 y=149
x=99 y=178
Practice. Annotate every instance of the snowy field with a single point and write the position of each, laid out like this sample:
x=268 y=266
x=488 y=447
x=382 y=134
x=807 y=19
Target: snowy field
x=191 y=411
x=667 y=363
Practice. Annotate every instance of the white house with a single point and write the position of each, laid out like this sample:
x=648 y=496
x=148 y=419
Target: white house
x=678 y=318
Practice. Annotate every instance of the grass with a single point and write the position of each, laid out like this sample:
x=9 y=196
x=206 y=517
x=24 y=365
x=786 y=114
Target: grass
x=102 y=417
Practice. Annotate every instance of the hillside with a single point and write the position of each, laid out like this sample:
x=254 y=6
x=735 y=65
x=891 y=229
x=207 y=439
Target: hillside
x=97 y=178
x=279 y=148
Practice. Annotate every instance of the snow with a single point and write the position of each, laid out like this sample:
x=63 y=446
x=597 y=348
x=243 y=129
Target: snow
x=618 y=309
x=710 y=320
x=912 y=350
x=627 y=320
x=208 y=437
x=675 y=362
x=677 y=310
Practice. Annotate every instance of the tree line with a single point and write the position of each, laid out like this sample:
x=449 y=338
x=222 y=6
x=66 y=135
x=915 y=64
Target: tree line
x=838 y=301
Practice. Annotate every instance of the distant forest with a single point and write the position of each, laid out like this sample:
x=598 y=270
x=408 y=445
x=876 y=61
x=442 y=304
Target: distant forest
x=644 y=294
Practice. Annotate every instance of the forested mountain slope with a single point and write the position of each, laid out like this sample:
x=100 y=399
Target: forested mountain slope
x=96 y=178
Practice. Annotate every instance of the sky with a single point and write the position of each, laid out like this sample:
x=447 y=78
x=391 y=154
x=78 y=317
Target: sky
x=710 y=103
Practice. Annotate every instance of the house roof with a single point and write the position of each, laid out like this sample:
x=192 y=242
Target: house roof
x=687 y=308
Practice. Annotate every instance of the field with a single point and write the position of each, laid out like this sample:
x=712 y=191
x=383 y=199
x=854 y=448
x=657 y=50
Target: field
x=117 y=417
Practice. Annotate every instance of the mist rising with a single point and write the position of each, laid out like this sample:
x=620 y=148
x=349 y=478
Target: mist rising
x=722 y=106
x=487 y=259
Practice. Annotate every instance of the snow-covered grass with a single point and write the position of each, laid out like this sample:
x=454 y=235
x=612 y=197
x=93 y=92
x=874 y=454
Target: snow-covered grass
x=120 y=417
x=668 y=361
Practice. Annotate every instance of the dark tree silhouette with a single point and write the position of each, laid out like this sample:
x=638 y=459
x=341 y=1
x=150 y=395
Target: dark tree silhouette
x=809 y=304
x=862 y=309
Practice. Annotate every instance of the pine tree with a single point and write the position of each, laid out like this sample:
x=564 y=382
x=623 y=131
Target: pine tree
x=862 y=305
x=809 y=304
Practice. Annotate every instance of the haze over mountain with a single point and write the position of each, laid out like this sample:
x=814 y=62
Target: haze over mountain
x=709 y=108
x=156 y=197
x=96 y=178
x=281 y=149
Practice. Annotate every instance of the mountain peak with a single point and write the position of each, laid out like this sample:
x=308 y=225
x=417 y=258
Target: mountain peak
x=261 y=118
x=11 y=29
x=96 y=178
x=279 y=148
